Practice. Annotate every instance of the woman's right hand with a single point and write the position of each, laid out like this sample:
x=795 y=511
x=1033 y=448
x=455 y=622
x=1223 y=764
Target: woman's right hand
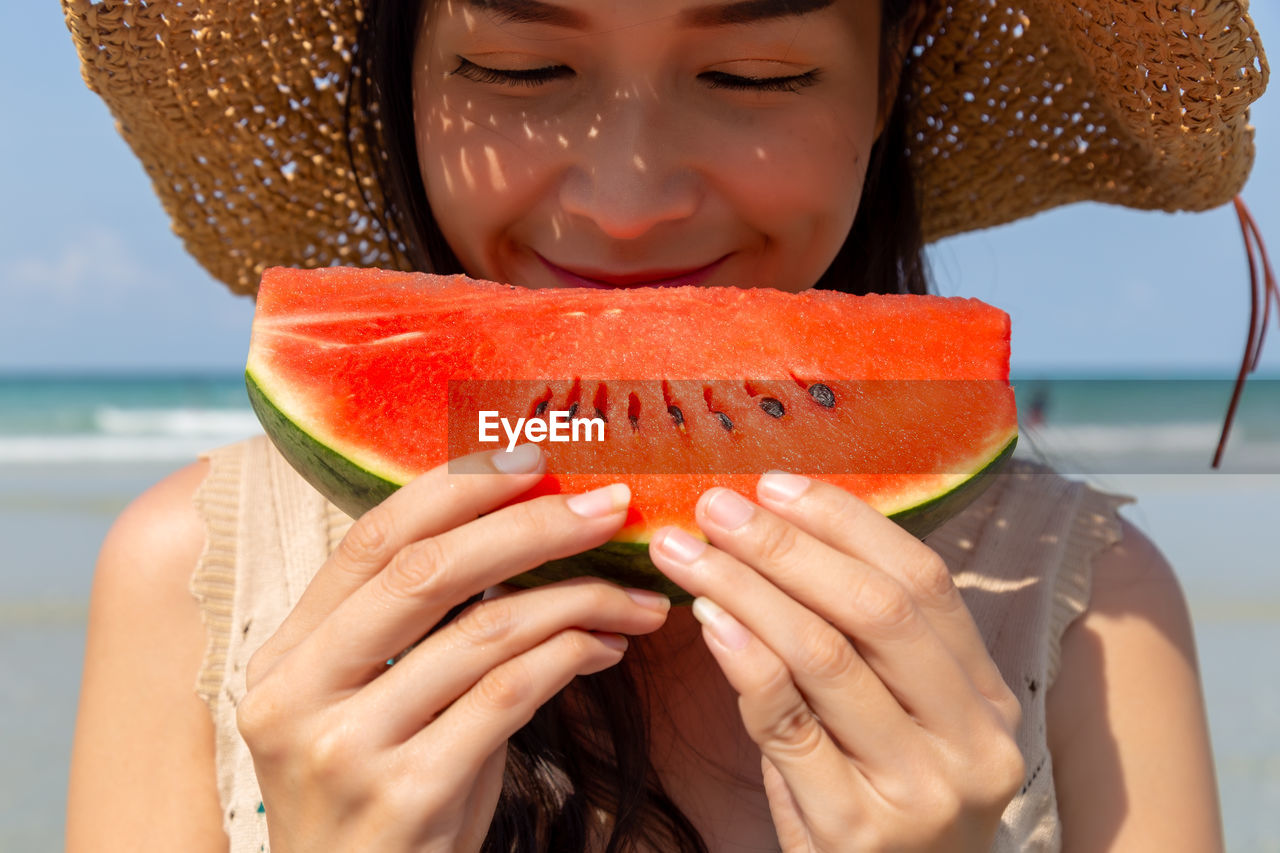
x=352 y=754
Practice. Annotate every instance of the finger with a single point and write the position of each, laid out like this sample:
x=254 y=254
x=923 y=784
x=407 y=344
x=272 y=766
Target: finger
x=838 y=518
x=788 y=818
x=776 y=714
x=444 y=497
x=411 y=693
x=891 y=630
x=452 y=750
x=397 y=606
x=857 y=708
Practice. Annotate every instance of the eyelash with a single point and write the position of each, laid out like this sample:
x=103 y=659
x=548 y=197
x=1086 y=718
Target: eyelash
x=714 y=79
x=514 y=77
x=794 y=83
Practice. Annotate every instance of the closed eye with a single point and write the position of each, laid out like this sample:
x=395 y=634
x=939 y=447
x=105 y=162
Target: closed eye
x=511 y=76
x=792 y=83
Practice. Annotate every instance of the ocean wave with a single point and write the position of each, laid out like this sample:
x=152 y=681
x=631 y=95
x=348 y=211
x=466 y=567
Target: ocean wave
x=1186 y=436
x=1178 y=447
x=176 y=422
x=18 y=450
x=180 y=434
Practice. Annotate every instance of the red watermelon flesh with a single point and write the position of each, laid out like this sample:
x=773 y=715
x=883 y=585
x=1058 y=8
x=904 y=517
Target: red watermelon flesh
x=351 y=370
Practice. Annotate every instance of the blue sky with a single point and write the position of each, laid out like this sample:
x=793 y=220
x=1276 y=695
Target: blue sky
x=93 y=279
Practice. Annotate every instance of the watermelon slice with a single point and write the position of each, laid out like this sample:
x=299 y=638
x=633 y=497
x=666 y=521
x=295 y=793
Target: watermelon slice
x=365 y=379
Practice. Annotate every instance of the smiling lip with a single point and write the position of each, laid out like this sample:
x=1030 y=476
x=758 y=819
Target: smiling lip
x=645 y=278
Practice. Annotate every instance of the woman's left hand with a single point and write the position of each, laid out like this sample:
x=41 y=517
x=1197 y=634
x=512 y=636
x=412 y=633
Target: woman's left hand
x=881 y=719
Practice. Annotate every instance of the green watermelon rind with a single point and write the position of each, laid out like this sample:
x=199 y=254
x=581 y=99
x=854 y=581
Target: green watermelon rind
x=348 y=486
x=355 y=490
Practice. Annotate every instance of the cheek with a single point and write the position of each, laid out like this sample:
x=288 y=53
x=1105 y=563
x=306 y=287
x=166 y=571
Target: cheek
x=467 y=176
x=799 y=181
x=815 y=165
x=482 y=173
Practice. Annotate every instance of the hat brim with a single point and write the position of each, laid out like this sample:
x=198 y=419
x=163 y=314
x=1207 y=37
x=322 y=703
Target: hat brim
x=236 y=112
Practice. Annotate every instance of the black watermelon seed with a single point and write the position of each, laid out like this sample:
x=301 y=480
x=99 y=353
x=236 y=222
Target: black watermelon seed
x=600 y=415
x=573 y=410
x=540 y=408
x=724 y=420
x=822 y=395
x=676 y=414
x=773 y=408
x=635 y=421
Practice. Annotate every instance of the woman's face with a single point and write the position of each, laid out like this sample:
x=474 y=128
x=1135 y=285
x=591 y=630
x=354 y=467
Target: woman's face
x=629 y=142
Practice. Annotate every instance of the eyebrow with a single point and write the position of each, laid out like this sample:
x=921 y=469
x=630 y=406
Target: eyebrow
x=718 y=15
x=749 y=11
x=531 y=12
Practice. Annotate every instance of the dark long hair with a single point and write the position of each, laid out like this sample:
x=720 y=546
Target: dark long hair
x=588 y=748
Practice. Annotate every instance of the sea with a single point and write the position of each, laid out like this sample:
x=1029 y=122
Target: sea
x=75 y=449
x=1152 y=424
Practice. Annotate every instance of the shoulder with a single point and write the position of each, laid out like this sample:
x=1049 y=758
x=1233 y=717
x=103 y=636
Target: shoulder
x=143 y=736
x=149 y=553
x=1126 y=719
x=162 y=521
x=1132 y=579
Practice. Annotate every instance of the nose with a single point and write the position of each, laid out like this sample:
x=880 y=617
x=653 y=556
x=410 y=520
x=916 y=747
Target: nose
x=630 y=174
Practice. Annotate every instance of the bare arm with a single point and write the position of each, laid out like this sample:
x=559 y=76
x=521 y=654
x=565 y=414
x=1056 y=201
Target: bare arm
x=142 y=774
x=1127 y=725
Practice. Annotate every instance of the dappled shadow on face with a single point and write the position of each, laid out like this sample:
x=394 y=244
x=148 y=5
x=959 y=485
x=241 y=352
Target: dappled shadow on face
x=600 y=148
x=490 y=145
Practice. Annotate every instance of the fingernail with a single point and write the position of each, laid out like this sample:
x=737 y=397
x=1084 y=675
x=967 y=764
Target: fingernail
x=729 y=509
x=729 y=632
x=680 y=546
x=523 y=459
x=613 y=641
x=600 y=502
x=648 y=598
x=782 y=487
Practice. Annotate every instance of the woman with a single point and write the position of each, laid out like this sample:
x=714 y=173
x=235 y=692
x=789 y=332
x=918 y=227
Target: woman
x=580 y=143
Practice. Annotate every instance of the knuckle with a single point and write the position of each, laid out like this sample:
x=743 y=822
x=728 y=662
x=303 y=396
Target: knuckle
x=932 y=809
x=775 y=681
x=883 y=602
x=581 y=645
x=331 y=754
x=603 y=599
x=1009 y=708
x=253 y=716
x=417 y=571
x=777 y=542
x=263 y=724
x=487 y=621
x=992 y=771
x=946 y=808
x=367 y=542
x=399 y=797
x=530 y=521
x=825 y=653
x=794 y=732
x=259 y=665
x=1010 y=772
x=931 y=578
x=506 y=687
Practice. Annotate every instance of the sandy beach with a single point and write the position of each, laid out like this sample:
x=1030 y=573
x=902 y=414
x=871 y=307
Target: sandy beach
x=52 y=519
x=1215 y=529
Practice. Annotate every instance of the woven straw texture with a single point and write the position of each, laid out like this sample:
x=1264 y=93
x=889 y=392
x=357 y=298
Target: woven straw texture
x=235 y=109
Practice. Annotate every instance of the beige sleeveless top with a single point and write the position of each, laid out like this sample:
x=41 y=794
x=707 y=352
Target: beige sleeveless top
x=1020 y=554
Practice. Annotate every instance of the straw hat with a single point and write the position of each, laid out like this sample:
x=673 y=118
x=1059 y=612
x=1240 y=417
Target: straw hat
x=235 y=109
